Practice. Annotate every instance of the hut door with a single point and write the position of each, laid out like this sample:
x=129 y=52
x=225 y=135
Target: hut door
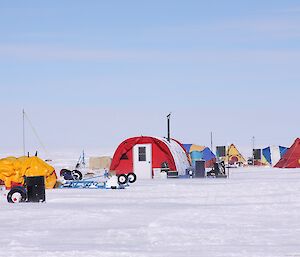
x=142 y=161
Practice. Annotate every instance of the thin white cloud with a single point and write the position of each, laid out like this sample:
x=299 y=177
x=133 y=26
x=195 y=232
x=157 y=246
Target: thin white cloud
x=276 y=28
x=52 y=52
x=234 y=30
x=295 y=9
x=59 y=53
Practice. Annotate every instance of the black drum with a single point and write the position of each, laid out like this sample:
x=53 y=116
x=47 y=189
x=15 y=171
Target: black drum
x=36 y=189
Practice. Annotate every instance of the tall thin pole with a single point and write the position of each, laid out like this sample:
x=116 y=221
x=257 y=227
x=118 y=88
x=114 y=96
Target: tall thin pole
x=168 y=124
x=24 y=150
x=253 y=146
x=211 y=141
x=83 y=158
x=227 y=161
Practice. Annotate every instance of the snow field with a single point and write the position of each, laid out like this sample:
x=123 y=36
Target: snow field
x=253 y=213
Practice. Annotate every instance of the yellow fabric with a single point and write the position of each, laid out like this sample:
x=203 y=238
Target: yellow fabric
x=233 y=152
x=198 y=148
x=14 y=169
x=264 y=161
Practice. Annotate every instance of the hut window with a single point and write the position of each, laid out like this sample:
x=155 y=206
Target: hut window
x=142 y=154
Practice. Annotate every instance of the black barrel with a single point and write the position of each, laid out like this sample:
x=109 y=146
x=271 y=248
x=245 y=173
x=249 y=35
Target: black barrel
x=36 y=189
x=199 y=169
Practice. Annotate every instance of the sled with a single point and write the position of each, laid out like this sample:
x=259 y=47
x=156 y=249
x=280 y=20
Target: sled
x=104 y=181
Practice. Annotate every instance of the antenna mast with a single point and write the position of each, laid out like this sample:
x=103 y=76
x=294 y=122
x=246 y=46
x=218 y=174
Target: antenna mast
x=24 y=150
x=25 y=116
x=211 y=141
x=168 y=124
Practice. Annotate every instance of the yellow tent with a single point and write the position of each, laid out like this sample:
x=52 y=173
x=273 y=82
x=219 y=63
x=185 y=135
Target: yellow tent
x=234 y=156
x=14 y=169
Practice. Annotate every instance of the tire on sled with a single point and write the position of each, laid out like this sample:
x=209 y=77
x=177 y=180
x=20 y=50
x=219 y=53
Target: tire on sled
x=131 y=177
x=63 y=172
x=122 y=179
x=66 y=174
x=17 y=195
x=77 y=175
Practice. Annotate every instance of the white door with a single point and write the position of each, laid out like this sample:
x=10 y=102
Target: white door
x=142 y=161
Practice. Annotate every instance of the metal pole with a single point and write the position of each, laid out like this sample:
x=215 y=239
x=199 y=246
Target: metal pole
x=227 y=161
x=83 y=158
x=211 y=141
x=253 y=146
x=23 y=132
x=168 y=124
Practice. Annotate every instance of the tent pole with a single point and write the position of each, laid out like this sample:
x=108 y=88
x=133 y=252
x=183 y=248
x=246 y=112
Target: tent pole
x=211 y=141
x=23 y=113
x=253 y=146
x=228 y=161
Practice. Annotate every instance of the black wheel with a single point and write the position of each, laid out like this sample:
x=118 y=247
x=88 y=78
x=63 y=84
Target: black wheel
x=131 y=177
x=17 y=195
x=63 y=171
x=122 y=179
x=77 y=175
x=66 y=174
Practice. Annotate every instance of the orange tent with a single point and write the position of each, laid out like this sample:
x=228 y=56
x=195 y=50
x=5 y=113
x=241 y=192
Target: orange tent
x=13 y=170
x=291 y=159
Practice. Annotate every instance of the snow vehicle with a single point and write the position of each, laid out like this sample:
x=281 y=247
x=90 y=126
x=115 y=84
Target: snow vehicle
x=82 y=173
x=105 y=181
x=32 y=191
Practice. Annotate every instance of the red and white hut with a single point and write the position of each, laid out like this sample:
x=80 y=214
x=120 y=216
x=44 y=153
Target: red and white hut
x=141 y=155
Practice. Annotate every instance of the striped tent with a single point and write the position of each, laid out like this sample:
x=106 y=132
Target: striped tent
x=197 y=152
x=272 y=154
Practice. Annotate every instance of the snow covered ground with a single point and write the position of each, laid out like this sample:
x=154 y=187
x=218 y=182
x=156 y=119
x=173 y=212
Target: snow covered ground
x=256 y=212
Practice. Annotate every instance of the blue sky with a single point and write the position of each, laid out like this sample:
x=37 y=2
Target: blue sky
x=91 y=73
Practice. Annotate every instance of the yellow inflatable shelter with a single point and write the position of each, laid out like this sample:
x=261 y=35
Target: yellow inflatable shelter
x=13 y=170
x=233 y=155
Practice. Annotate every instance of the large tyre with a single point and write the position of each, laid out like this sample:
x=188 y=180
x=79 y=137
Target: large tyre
x=122 y=179
x=66 y=174
x=77 y=175
x=63 y=171
x=17 y=195
x=131 y=177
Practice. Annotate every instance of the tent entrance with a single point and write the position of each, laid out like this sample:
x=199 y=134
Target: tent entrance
x=142 y=161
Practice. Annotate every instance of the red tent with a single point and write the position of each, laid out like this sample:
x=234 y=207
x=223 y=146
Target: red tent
x=291 y=159
x=142 y=155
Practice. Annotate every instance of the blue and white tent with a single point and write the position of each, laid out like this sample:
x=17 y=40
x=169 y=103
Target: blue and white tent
x=272 y=154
